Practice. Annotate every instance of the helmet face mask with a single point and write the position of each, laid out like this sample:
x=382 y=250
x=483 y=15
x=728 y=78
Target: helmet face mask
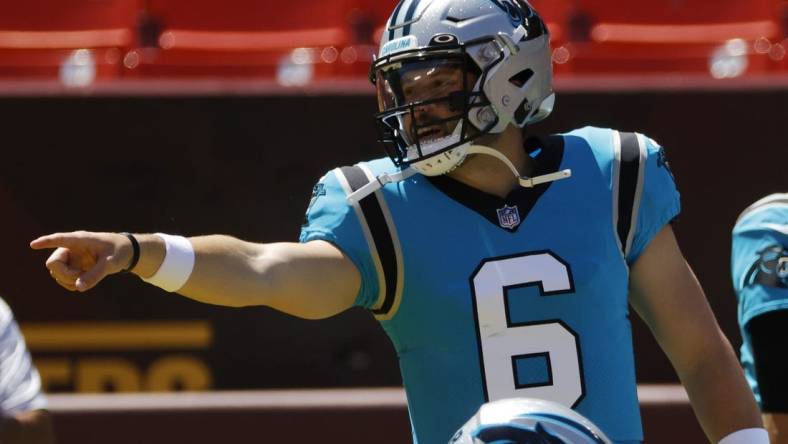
x=456 y=72
x=424 y=99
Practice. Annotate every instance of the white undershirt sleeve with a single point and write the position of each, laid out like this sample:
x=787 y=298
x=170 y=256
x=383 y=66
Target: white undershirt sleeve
x=20 y=384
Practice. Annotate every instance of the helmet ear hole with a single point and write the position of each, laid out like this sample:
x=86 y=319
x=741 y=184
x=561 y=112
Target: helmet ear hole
x=521 y=77
x=522 y=112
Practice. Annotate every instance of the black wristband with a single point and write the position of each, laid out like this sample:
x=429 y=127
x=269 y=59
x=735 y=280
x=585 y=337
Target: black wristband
x=135 y=251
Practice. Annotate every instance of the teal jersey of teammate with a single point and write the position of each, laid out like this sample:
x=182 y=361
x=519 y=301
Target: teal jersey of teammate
x=759 y=267
x=523 y=296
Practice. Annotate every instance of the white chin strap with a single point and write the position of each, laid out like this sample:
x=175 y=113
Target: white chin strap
x=383 y=179
x=527 y=182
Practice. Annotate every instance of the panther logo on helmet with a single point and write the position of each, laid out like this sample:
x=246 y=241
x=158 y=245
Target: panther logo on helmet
x=515 y=12
x=528 y=421
x=518 y=435
x=771 y=268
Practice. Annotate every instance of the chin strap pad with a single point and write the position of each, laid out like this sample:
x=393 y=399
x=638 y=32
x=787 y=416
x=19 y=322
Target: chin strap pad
x=375 y=185
x=527 y=182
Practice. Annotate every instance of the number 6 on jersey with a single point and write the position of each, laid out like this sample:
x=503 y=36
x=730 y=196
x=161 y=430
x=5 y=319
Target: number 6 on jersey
x=503 y=343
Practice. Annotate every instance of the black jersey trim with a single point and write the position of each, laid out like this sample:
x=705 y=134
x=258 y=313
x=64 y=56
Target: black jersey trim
x=771 y=363
x=486 y=205
x=382 y=239
x=630 y=184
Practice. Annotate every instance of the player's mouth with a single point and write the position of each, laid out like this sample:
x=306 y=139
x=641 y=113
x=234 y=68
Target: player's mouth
x=432 y=132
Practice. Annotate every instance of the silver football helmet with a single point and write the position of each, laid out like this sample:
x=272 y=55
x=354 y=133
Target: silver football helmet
x=450 y=71
x=528 y=421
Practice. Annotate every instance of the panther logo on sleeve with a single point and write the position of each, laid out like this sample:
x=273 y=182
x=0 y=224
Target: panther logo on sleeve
x=771 y=268
x=662 y=161
x=317 y=191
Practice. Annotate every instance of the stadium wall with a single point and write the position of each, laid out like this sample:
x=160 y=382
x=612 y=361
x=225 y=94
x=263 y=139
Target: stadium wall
x=348 y=416
x=245 y=165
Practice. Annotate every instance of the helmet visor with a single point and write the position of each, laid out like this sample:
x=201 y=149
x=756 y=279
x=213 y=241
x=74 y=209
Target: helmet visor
x=424 y=100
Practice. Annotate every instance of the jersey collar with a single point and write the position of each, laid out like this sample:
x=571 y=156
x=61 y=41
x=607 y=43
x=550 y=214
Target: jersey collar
x=508 y=213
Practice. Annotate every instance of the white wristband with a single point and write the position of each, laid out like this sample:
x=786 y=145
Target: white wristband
x=177 y=265
x=747 y=436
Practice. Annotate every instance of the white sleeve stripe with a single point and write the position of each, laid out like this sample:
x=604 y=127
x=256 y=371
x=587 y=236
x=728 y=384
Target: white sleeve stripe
x=373 y=251
x=397 y=250
x=615 y=185
x=638 y=192
x=20 y=384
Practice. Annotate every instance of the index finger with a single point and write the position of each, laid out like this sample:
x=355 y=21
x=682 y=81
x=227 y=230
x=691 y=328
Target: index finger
x=55 y=240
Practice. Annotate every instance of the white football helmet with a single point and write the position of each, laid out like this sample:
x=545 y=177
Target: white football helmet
x=528 y=421
x=449 y=71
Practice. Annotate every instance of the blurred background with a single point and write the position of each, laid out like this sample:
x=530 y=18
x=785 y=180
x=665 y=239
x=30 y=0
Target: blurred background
x=197 y=117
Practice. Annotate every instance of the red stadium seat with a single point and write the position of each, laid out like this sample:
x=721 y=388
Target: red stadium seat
x=74 y=15
x=249 y=38
x=678 y=12
x=735 y=59
x=685 y=36
x=50 y=64
x=779 y=54
x=37 y=37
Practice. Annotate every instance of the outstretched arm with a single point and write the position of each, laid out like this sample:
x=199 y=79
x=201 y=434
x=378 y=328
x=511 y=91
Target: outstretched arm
x=666 y=294
x=312 y=280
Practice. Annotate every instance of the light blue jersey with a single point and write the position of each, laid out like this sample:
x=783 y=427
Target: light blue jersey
x=518 y=297
x=759 y=268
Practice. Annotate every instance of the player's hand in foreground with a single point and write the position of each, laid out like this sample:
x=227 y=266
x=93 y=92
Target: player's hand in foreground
x=82 y=259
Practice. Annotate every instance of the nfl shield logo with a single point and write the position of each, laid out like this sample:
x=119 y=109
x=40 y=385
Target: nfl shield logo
x=508 y=217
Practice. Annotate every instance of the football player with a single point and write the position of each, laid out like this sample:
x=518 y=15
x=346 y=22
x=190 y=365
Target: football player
x=501 y=264
x=759 y=264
